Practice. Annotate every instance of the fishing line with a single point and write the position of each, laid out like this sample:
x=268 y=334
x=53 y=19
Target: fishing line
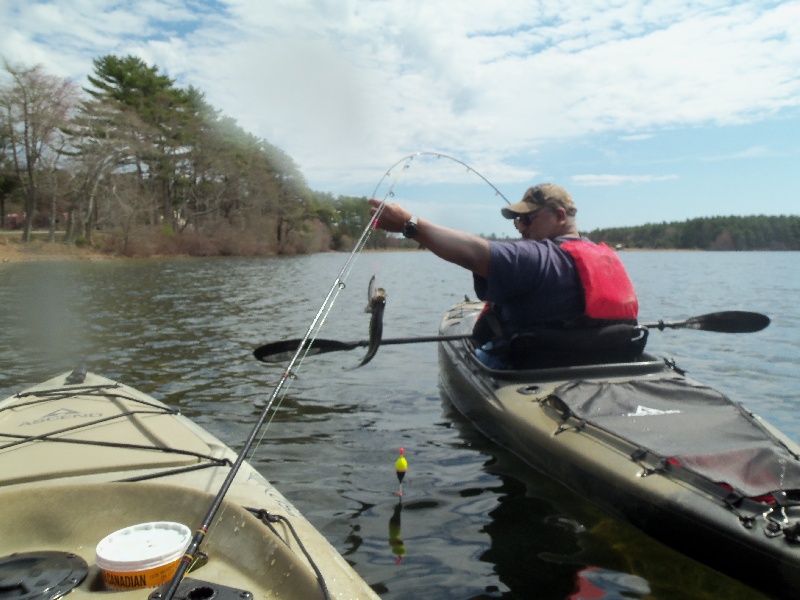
x=469 y=169
x=338 y=285
x=294 y=364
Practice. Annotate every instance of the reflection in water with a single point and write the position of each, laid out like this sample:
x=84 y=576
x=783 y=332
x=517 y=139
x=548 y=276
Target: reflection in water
x=396 y=534
x=547 y=543
x=396 y=542
x=593 y=583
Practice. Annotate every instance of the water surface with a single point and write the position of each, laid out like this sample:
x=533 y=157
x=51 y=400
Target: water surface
x=475 y=522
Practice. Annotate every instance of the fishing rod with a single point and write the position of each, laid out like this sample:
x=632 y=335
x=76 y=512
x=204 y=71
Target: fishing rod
x=461 y=162
x=303 y=347
x=333 y=292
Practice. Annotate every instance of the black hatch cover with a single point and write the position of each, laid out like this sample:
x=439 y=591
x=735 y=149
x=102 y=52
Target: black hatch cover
x=40 y=575
x=701 y=428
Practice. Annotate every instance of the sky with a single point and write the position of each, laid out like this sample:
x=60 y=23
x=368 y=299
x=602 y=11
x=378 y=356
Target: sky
x=646 y=111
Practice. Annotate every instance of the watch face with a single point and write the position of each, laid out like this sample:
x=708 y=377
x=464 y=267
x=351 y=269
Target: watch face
x=410 y=229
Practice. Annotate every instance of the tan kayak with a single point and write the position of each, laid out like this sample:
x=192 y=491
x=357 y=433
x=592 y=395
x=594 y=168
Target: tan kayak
x=96 y=461
x=666 y=454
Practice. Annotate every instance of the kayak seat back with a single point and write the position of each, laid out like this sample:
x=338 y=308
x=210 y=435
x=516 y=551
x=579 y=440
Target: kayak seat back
x=559 y=347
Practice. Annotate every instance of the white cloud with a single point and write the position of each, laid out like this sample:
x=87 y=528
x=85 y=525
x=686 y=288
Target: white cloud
x=638 y=137
x=348 y=87
x=611 y=180
x=752 y=152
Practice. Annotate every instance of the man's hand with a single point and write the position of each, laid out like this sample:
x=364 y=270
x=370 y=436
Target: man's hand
x=393 y=216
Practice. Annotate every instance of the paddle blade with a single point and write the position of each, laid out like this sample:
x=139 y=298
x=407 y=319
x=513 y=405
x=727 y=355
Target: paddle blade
x=277 y=352
x=731 y=321
x=283 y=351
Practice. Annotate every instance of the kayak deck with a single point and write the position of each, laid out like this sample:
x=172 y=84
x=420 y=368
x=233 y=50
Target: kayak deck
x=74 y=518
x=81 y=460
x=135 y=435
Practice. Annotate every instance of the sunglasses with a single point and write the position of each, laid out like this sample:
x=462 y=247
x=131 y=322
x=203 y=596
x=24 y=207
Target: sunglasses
x=528 y=218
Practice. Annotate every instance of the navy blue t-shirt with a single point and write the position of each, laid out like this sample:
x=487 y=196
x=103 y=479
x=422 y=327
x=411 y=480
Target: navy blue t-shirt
x=531 y=283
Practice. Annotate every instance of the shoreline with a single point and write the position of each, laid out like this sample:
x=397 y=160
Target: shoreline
x=15 y=251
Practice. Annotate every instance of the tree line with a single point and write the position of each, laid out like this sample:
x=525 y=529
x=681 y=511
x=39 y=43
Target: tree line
x=136 y=165
x=709 y=233
x=154 y=168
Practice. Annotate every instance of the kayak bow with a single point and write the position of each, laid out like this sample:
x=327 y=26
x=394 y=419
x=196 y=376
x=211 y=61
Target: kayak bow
x=83 y=457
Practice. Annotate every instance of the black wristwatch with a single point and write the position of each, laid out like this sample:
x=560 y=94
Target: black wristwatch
x=411 y=228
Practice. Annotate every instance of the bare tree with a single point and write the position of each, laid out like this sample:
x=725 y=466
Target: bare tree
x=53 y=178
x=8 y=182
x=126 y=206
x=34 y=107
x=106 y=143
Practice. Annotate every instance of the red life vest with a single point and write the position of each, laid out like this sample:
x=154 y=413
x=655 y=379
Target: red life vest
x=607 y=289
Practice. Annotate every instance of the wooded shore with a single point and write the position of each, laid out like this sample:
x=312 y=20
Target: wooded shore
x=15 y=251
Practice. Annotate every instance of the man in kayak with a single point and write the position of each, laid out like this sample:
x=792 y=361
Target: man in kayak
x=552 y=277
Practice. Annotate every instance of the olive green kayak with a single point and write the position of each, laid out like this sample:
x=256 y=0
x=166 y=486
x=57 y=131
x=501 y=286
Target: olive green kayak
x=93 y=473
x=668 y=455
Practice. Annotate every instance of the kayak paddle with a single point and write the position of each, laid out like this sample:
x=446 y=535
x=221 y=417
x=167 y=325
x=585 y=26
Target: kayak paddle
x=275 y=352
x=730 y=321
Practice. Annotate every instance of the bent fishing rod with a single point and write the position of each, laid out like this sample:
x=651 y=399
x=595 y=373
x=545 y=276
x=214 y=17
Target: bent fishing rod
x=338 y=285
x=461 y=162
x=302 y=349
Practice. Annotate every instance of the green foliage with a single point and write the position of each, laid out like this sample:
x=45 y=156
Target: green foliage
x=131 y=83
x=199 y=168
x=352 y=216
x=709 y=233
x=8 y=183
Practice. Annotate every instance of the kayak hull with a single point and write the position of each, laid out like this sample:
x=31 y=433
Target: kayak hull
x=80 y=461
x=672 y=505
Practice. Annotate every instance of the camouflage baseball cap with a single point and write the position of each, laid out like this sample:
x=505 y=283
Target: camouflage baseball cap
x=539 y=196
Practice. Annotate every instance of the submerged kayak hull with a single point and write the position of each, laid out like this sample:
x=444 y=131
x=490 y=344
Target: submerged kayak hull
x=672 y=504
x=80 y=461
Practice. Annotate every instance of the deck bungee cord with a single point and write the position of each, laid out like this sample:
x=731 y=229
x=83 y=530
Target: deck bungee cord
x=57 y=436
x=294 y=364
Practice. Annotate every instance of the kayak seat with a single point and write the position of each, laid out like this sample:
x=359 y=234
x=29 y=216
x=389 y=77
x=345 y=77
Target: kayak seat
x=553 y=347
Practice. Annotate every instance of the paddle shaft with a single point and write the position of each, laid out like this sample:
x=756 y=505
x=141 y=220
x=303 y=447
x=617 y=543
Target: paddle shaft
x=276 y=351
x=728 y=321
x=720 y=322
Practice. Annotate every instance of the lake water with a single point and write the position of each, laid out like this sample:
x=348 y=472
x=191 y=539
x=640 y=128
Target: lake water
x=475 y=522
